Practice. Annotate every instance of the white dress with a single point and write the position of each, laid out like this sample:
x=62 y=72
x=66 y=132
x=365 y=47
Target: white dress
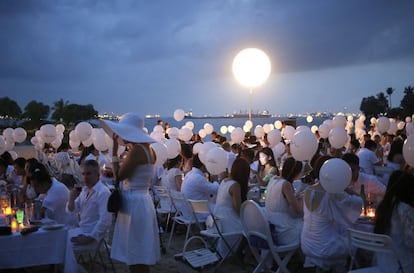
x=136 y=239
x=228 y=218
x=168 y=178
x=323 y=238
x=288 y=228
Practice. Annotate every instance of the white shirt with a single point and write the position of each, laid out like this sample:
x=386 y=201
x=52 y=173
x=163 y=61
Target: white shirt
x=371 y=184
x=95 y=220
x=367 y=160
x=195 y=186
x=55 y=202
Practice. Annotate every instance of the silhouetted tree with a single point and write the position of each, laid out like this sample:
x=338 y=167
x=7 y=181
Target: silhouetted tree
x=389 y=91
x=407 y=102
x=58 y=109
x=9 y=108
x=374 y=106
x=36 y=113
x=74 y=113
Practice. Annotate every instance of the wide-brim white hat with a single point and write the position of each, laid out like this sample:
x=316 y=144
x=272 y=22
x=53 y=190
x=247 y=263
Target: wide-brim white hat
x=130 y=128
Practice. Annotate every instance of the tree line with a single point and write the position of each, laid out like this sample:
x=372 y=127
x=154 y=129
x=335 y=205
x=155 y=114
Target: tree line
x=37 y=113
x=381 y=104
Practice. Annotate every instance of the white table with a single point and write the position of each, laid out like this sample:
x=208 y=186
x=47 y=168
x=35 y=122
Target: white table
x=38 y=248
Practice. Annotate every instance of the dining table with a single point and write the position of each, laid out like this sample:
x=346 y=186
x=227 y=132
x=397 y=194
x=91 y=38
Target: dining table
x=44 y=246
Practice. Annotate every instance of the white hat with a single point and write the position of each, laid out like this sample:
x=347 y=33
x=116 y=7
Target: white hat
x=130 y=128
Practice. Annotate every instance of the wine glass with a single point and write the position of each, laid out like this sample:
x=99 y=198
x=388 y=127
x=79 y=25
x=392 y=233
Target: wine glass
x=20 y=216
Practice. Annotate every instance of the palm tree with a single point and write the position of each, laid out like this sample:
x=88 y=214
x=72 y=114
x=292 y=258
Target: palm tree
x=389 y=91
x=58 y=108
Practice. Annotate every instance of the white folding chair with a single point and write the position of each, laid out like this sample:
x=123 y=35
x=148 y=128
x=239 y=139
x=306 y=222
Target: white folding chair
x=259 y=237
x=183 y=214
x=201 y=207
x=92 y=254
x=372 y=242
x=164 y=203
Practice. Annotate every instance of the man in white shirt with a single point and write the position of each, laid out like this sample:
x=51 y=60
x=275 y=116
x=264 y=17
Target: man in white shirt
x=195 y=185
x=90 y=204
x=367 y=157
x=373 y=186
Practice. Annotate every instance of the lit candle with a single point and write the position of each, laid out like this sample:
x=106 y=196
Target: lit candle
x=14 y=225
x=371 y=212
x=8 y=211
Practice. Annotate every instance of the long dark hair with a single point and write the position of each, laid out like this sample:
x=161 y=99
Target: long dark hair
x=291 y=169
x=240 y=171
x=272 y=162
x=400 y=188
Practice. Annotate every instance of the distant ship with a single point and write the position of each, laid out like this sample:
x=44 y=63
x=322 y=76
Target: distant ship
x=262 y=114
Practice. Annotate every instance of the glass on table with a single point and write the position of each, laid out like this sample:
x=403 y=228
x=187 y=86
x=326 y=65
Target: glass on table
x=20 y=216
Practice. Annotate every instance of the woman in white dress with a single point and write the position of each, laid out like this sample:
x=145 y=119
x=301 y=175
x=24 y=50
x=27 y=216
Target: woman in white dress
x=395 y=217
x=135 y=240
x=326 y=219
x=173 y=176
x=231 y=194
x=283 y=208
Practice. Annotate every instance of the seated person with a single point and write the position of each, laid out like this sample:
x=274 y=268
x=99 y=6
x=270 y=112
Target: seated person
x=55 y=194
x=195 y=185
x=326 y=218
x=90 y=204
x=367 y=157
x=283 y=209
x=373 y=187
x=395 y=217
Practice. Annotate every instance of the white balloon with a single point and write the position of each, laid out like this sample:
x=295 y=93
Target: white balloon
x=339 y=122
x=267 y=128
x=248 y=124
x=173 y=132
x=73 y=136
x=74 y=144
x=302 y=128
x=328 y=122
x=160 y=152
x=274 y=137
x=19 y=135
x=350 y=118
x=407 y=119
x=202 y=133
x=314 y=128
x=217 y=159
x=173 y=148
x=48 y=133
x=99 y=140
x=223 y=129
x=303 y=145
x=383 y=124
x=237 y=135
x=230 y=128
x=393 y=127
x=197 y=147
x=8 y=133
x=83 y=131
x=408 y=150
x=335 y=175
x=278 y=124
x=309 y=119
x=288 y=132
x=60 y=128
x=87 y=142
x=338 y=137
x=208 y=128
x=189 y=125
x=158 y=136
x=9 y=145
x=203 y=150
x=362 y=118
x=259 y=131
x=409 y=128
x=373 y=120
x=280 y=148
x=185 y=134
x=179 y=114
x=323 y=130
x=56 y=143
x=13 y=154
x=158 y=129
x=2 y=144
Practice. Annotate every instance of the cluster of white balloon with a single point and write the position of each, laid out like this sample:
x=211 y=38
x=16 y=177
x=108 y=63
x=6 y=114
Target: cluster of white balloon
x=50 y=134
x=10 y=137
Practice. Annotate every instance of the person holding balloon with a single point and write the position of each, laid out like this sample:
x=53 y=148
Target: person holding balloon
x=135 y=240
x=329 y=209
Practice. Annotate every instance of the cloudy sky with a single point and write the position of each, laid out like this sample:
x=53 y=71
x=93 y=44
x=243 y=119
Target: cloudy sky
x=157 y=56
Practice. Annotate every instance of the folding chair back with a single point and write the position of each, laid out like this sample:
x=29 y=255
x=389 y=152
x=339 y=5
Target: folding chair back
x=373 y=242
x=259 y=236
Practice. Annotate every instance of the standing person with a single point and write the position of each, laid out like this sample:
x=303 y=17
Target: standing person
x=395 y=217
x=90 y=205
x=135 y=240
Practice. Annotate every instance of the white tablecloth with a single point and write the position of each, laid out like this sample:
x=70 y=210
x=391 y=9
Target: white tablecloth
x=38 y=248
